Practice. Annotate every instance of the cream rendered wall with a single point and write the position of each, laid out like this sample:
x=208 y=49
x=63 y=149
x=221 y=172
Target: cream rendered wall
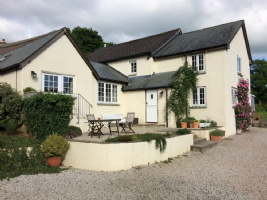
x=144 y=66
x=13 y=78
x=237 y=48
x=171 y=64
x=61 y=58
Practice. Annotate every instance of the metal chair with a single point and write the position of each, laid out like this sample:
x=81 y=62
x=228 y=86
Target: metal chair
x=128 y=123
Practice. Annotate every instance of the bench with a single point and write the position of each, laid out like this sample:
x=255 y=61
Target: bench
x=113 y=116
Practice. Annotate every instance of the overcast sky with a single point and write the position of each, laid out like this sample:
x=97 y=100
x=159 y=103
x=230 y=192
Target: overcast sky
x=123 y=20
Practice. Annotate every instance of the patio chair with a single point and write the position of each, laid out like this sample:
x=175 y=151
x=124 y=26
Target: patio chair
x=91 y=125
x=128 y=123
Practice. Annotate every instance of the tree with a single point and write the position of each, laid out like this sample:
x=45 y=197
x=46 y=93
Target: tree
x=87 y=39
x=110 y=44
x=258 y=78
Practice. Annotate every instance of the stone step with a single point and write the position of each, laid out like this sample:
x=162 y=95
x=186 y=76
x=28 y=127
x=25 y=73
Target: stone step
x=203 y=146
x=198 y=140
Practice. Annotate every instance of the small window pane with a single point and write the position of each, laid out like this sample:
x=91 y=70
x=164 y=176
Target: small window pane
x=195 y=100
x=51 y=78
x=108 y=92
x=114 y=93
x=55 y=78
x=46 y=83
x=151 y=96
x=46 y=77
x=194 y=63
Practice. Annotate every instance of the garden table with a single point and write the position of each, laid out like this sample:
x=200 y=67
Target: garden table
x=97 y=126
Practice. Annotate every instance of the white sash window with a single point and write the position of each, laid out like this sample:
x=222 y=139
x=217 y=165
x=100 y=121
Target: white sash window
x=199 y=97
x=107 y=93
x=198 y=62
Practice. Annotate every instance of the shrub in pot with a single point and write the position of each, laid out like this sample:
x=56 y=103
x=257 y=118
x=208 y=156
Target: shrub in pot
x=216 y=135
x=208 y=123
x=190 y=122
x=182 y=132
x=55 y=147
x=195 y=123
x=202 y=123
x=184 y=123
x=213 y=123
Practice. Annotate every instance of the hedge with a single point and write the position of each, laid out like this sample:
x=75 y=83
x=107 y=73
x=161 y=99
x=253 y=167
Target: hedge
x=47 y=114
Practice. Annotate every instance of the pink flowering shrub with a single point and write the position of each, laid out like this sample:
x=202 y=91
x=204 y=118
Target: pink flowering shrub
x=243 y=109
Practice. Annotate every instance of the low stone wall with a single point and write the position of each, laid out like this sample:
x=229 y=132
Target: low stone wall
x=123 y=156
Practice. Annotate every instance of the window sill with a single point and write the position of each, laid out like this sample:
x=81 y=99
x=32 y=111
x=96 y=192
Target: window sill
x=201 y=72
x=108 y=104
x=193 y=107
x=133 y=74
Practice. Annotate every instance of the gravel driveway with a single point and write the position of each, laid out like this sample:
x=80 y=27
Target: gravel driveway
x=234 y=169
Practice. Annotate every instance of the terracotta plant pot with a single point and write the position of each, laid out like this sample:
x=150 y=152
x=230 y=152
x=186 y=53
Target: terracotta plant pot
x=183 y=124
x=190 y=124
x=195 y=124
x=215 y=138
x=54 y=161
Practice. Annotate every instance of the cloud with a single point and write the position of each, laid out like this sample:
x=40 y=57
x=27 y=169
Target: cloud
x=120 y=21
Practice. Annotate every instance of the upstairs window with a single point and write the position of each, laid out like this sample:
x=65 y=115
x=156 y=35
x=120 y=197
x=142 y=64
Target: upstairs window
x=238 y=64
x=198 y=63
x=133 y=67
x=107 y=93
x=57 y=83
x=199 y=97
x=234 y=97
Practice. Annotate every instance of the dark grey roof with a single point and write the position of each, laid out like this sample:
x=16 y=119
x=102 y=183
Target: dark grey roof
x=158 y=80
x=20 y=54
x=212 y=37
x=143 y=46
x=107 y=72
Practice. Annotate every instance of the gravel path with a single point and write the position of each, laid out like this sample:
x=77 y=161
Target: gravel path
x=234 y=169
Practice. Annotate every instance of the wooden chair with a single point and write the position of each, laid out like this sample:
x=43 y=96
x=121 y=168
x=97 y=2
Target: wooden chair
x=92 y=125
x=128 y=123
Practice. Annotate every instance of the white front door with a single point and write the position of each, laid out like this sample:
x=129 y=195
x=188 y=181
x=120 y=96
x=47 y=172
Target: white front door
x=151 y=106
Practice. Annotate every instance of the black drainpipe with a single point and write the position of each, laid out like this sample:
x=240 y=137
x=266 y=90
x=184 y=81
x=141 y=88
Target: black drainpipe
x=166 y=107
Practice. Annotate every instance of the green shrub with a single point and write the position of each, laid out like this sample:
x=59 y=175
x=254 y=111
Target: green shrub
x=10 y=126
x=178 y=123
x=17 y=161
x=183 y=132
x=11 y=141
x=10 y=103
x=202 y=121
x=29 y=89
x=213 y=123
x=216 y=133
x=123 y=138
x=73 y=131
x=134 y=137
x=55 y=145
x=48 y=113
x=161 y=144
x=260 y=108
x=185 y=120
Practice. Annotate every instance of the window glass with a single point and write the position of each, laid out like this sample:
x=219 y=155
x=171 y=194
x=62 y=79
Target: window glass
x=100 y=91
x=198 y=62
x=114 y=93
x=234 y=97
x=133 y=67
x=195 y=100
x=51 y=83
x=194 y=63
x=108 y=92
x=199 y=97
x=201 y=62
x=68 y=85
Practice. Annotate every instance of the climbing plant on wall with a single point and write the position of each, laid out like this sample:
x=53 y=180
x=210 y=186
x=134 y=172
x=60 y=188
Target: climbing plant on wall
x=185 y=80
x=243 y=108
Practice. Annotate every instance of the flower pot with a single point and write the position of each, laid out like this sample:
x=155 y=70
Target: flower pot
x=202 y=125
x=215 y=138
x=54 y=161
x=207 y=125
x=183 y=124
x=190 y=124
x=195 y=124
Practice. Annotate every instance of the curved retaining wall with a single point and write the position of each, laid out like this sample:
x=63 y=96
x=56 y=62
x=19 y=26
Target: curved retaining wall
x=122 y=156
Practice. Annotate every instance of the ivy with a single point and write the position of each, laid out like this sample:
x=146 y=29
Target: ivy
x=48 y=113
x=185 y=80
x=243 y=109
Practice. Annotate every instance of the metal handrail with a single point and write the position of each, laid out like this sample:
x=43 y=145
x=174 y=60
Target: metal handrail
x=81 y=106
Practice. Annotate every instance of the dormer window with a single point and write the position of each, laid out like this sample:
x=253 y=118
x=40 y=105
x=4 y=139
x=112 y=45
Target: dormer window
x=133 y=67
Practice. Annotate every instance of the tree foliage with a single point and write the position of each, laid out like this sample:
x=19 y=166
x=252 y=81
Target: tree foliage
x=88 y=39
x=258 y=78
x=10 y=103
x=185 y=80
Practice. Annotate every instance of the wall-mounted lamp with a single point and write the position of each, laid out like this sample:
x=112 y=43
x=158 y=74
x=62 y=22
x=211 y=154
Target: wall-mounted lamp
x=34 y=75
x=161 y=93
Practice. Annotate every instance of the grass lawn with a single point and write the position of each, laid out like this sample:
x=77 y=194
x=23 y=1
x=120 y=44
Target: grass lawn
x=264 y=115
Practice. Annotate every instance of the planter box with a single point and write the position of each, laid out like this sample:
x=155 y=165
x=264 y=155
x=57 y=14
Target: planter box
x=202 y=125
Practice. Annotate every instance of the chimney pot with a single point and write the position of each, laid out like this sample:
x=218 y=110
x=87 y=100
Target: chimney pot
x=3 y=40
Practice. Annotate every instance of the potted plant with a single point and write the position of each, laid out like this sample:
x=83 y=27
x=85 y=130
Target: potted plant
x=184 y=123
x=190 y=122
x=54 y=148
x=208 y=123
x=216 y=135
x=202 y=123
x=195 y=123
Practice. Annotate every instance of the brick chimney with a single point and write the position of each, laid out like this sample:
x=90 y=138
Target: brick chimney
x=3 y=41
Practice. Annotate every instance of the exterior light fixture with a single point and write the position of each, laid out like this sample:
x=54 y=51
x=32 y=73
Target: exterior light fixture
x=34 y=75
x=161 y=93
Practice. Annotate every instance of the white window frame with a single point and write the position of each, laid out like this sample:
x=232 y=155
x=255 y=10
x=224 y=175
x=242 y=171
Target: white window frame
x=111 y=91
x=198 y=98
x=131 y=66
x=239 y=64
x=234 y=97
x=60 y=81
x=197 y=62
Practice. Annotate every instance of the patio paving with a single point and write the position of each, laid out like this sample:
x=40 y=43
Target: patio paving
x=234 y=169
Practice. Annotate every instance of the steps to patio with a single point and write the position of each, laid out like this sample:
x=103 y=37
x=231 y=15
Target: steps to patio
x=202 y=145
